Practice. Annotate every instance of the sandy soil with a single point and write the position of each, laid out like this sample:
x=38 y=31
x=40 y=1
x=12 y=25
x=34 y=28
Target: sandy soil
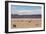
x=26 y=23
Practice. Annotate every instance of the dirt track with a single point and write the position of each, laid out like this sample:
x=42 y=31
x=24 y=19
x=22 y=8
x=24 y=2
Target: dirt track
x=26 y=23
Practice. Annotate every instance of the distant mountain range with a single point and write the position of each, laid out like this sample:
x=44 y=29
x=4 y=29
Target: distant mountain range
x=25 y=12
x=25 y=16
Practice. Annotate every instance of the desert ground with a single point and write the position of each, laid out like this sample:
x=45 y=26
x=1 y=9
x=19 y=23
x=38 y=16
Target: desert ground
x=25 y=22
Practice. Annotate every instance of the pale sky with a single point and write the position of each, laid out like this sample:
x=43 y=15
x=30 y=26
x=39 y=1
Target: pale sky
x=34 y=9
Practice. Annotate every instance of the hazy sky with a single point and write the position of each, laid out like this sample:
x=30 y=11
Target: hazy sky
x=34 y=9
